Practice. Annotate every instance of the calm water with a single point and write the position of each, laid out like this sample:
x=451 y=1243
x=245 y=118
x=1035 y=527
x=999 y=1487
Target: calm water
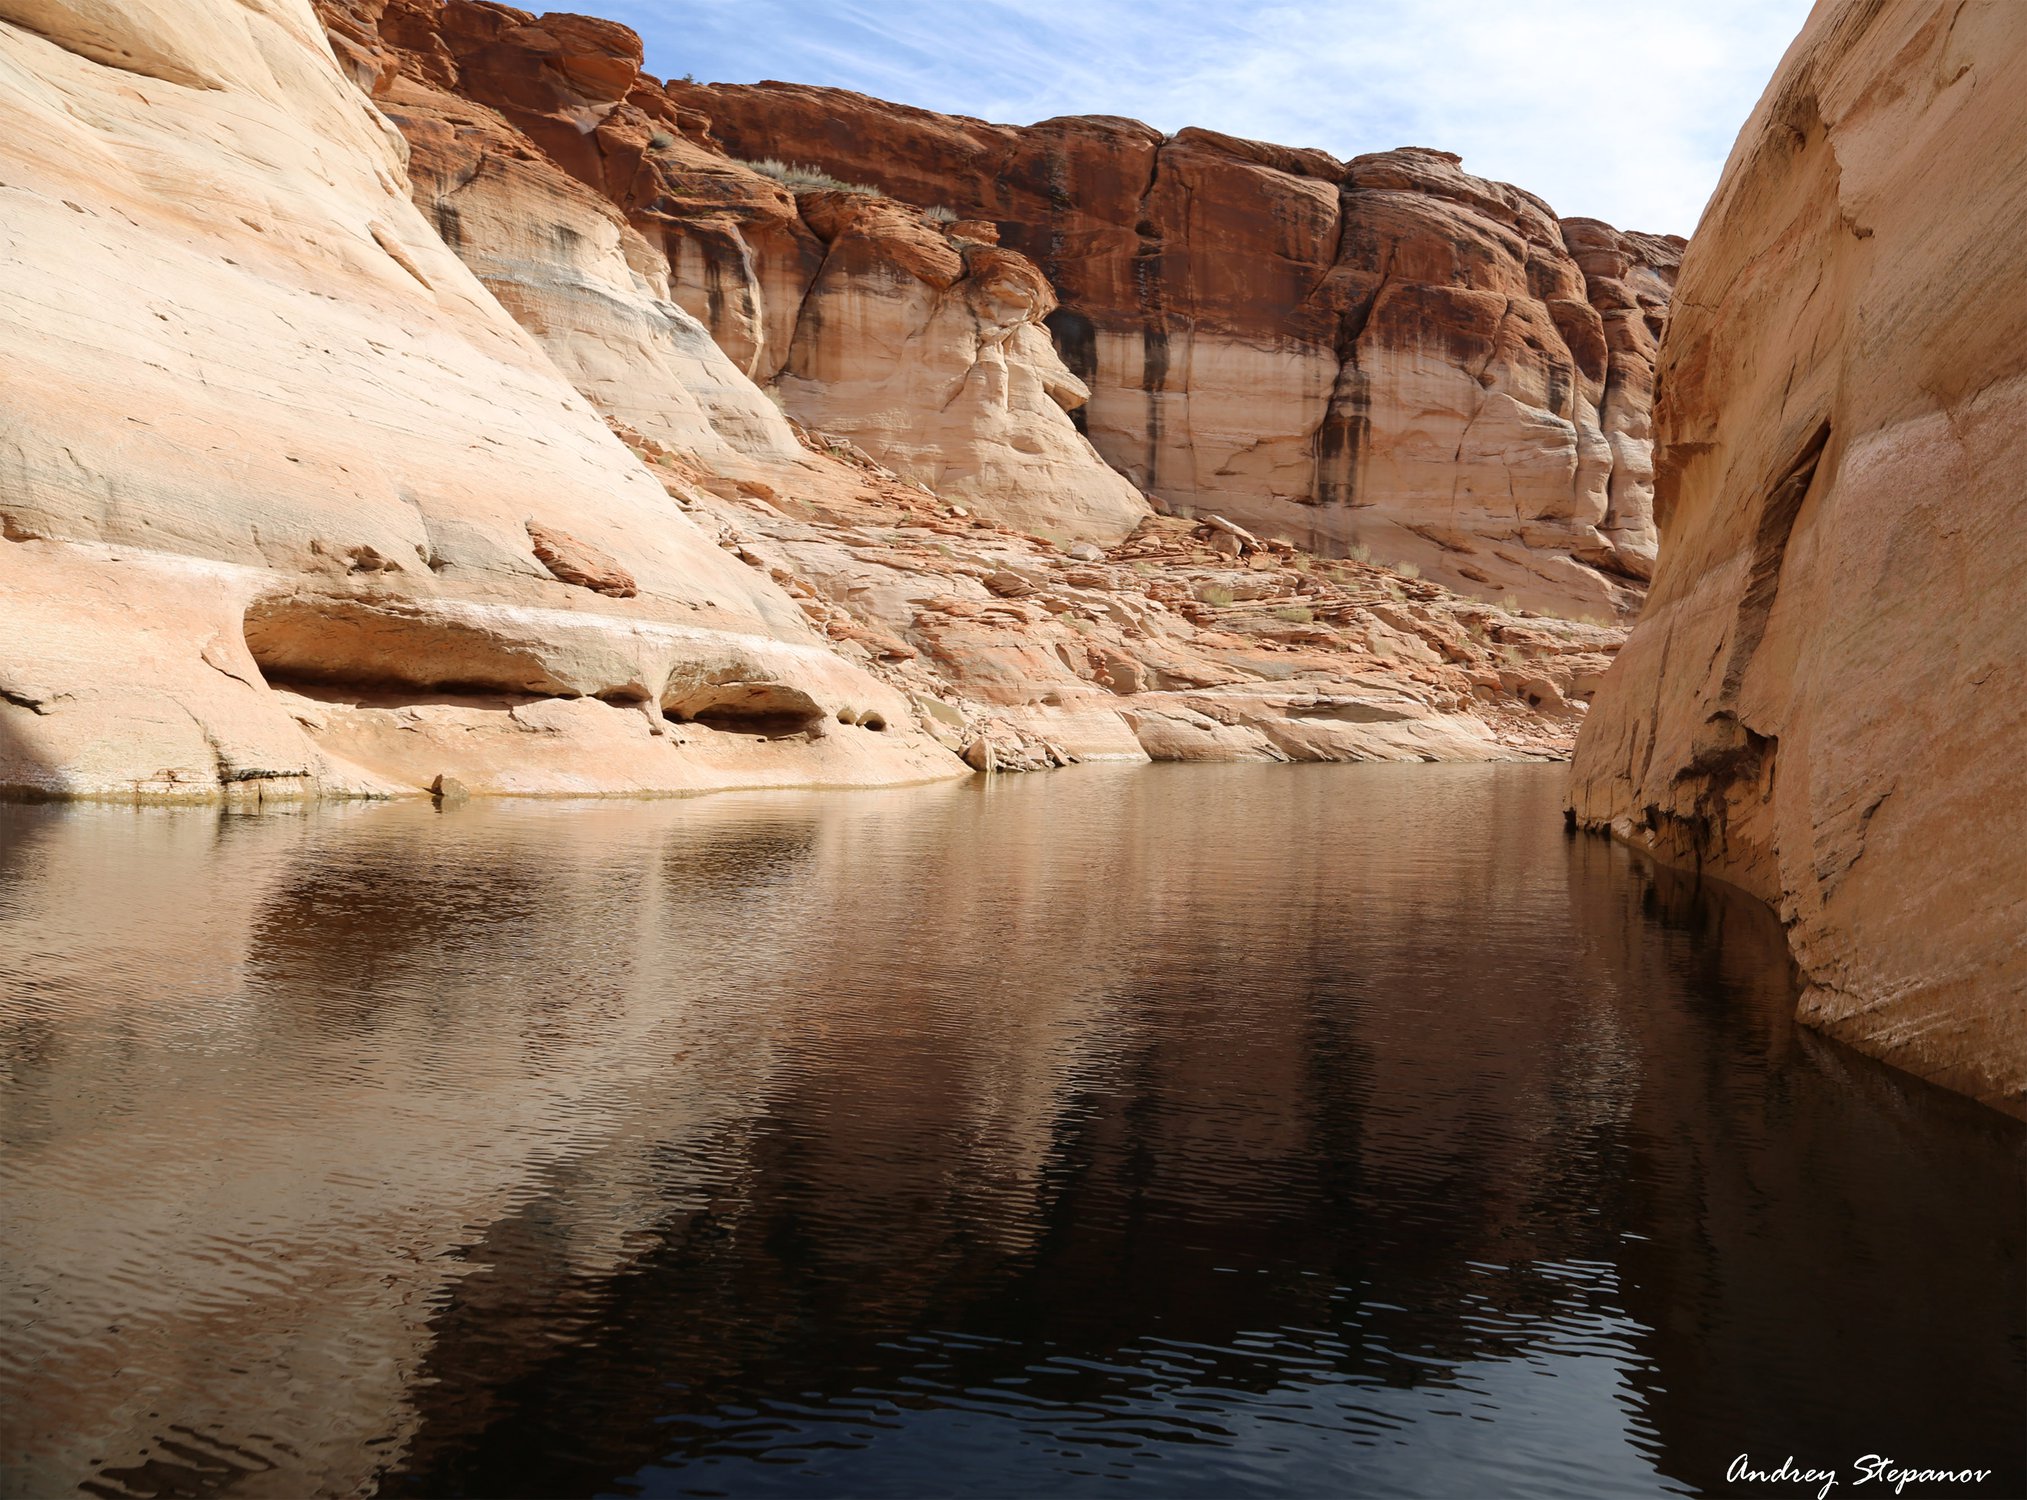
x=1185 y=1131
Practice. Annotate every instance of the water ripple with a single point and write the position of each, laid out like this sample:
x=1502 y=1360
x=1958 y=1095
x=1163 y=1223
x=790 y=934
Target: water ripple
x=1323 y=1130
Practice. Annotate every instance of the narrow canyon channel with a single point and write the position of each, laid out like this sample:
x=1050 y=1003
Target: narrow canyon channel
x=1346 y=1130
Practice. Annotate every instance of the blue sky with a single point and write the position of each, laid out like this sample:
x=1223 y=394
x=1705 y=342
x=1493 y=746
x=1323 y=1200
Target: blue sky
x=1620 y=109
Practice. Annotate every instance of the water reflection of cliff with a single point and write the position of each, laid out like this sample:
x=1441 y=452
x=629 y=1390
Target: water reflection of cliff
x=1835 y=1267
x=521 y=1149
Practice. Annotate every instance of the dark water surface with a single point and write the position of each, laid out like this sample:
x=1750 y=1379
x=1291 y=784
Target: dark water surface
x=1251 y=1130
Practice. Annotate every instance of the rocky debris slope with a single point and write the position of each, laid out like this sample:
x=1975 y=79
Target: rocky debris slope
x=1186 y=641
x=1824 y=700
x=600 y=213
x=1387 y=354
x=289 y=504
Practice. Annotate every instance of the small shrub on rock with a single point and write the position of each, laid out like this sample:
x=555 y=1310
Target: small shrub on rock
x=805 y=178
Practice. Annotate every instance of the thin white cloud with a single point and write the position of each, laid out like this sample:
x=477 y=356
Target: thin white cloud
x=1619 y=109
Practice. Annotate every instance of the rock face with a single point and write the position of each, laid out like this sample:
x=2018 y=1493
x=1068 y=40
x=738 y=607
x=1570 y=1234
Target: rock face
x=587 y=200
x=554 y=250
x=930 y=352
x=1387 y=353
x=1824 y=700
x=297 y=496
x=1630 y=280
x=915 y=350
x=289 y=503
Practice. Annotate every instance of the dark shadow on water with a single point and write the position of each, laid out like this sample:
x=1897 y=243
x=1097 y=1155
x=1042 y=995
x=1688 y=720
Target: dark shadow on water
x=1750 y=1307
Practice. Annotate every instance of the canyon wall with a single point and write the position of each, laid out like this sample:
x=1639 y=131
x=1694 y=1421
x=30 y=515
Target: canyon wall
x=343 y=457
x=291 y=505
x=1826 y=697
x=924 y=348
x=914 y=348
x=1387 y=354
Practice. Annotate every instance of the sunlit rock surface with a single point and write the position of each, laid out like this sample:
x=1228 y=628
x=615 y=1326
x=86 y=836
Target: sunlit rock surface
x=1824 y=699
x=1387 y=353
x=277 y=466
x=936 y=452
x=599 y=194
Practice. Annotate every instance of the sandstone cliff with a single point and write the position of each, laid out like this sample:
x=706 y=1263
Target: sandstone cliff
x=1824 y=699
x=924 y=347
x=1386 y=354
x=298 y=497
x=914 y=350
x=290 y=504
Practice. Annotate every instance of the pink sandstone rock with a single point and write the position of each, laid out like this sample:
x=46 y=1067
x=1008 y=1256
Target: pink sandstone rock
x=1824 y=700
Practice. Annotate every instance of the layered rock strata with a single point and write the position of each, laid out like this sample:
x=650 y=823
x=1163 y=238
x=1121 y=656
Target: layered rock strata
x=1823 y=701
x=294 y=505
x=562 y=173
x=1170 y=649
x=1386 y=354
x=289 y=504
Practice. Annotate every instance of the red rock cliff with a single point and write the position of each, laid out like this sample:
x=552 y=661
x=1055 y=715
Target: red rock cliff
x=924 y=346
x=586 y=199
x=1387 y=353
